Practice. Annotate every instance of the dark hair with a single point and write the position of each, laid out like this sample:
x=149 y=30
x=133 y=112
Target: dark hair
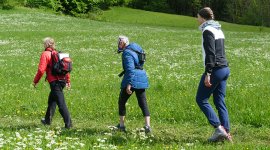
x=206 y=13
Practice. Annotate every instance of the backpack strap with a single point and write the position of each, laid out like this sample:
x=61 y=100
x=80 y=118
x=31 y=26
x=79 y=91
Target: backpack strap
x=136 y=66
x=135 y=51
x=51 y=50
x=138 y=53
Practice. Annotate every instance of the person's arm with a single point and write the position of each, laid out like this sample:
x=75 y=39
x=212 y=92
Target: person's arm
x=41 y=68
x=210 y=55
x=210 y=52
x=68 y=85
x=129 y=67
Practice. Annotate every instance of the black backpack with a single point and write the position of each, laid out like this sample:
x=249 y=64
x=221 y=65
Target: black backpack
x=141 y=56
x=61 y=63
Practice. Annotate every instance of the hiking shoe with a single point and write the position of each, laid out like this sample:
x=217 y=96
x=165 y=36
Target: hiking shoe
x=68 y=126
x=44 y=122
x=147 y=129
x=219 y=135
x=121 y=128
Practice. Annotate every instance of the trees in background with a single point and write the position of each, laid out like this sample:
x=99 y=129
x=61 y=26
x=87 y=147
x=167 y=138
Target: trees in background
x=6 y=4
x=253 y=12
x=75 y=7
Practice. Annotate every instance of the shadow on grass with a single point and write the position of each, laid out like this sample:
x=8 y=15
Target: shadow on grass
x=84 y=132
x=29 y=126
x=94 y=133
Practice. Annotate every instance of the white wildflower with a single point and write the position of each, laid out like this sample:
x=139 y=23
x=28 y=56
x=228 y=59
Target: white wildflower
x=49 y=145
x=190 y=144
x=18 y=136
x=81 y=144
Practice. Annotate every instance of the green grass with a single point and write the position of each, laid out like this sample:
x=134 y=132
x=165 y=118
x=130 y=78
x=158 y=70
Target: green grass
x=133 y=16
x=174 y=66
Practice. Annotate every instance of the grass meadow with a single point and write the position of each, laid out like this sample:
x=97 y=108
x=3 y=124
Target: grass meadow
x=174 y=66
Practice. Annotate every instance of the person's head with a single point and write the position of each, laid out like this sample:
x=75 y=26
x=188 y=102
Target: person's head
x=123 y=42
x=49 y=43
x=205 y=14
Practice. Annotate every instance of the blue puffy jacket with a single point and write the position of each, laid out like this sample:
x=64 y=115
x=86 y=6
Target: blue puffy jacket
x=135 y=77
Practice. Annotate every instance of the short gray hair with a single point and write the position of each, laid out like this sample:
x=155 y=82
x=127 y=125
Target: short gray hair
x=49 y=42
x=124 y=39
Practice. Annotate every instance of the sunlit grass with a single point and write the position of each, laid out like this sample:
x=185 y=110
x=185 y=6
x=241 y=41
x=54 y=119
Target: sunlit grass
x=174 y=66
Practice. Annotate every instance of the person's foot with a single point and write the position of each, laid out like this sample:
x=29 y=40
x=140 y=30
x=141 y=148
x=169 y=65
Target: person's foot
x=68 y=126
x=219 y=135
x=229 y=137
x=121 y=128
x=147 y=129
x=44 y=122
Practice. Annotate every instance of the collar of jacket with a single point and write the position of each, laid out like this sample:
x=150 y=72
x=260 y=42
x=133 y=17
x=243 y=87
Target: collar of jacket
x=49 y=49
x=211 y=23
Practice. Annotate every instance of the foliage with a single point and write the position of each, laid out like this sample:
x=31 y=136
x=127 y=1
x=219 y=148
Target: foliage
x=75 y=7
x=150 y=5
x=6 y=4
x=253 y=12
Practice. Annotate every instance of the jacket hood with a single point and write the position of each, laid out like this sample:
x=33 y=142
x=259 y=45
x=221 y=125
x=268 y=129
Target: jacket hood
x=211 y=23
x=135 y=47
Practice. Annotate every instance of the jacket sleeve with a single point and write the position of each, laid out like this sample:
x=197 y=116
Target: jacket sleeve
x=41 y=67
x=129 y=66
x=210 y=52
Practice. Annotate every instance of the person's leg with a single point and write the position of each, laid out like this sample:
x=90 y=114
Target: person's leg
x=60 y=100
x=202 y=97
x=50 y=109
x=219 y=100
x=141 y=97
x=147 y=120
x=123 y=97
x=219 y=75
x=121 y=121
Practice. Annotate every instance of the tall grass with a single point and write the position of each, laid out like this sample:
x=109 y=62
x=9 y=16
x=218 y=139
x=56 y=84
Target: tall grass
x=174 y=67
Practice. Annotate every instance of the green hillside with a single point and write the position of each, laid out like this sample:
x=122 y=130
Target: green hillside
x=174 y=66
x=134 y=16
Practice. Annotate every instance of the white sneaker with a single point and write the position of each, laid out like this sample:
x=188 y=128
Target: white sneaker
x=219 y=135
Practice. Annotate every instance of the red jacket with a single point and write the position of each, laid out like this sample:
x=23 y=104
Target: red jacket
x=45 y=64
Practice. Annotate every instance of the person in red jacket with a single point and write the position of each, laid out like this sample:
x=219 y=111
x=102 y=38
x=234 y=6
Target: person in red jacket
x=57 y=83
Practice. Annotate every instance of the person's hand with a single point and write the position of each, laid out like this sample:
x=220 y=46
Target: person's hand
x=35 y=85
x=68 y=86
x=128 y=90
x=207 y=80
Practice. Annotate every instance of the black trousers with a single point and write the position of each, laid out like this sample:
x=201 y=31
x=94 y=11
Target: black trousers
x=141 y=97
x=56 y=97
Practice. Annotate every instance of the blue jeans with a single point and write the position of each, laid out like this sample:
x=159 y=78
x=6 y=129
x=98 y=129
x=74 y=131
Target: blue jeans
x=218 y=80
